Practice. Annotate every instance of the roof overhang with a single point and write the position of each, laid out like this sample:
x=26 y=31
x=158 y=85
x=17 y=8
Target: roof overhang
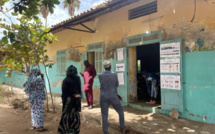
x=90 y=15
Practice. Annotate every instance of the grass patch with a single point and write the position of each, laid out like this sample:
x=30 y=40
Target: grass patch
x=21 y=104
x=5 y=93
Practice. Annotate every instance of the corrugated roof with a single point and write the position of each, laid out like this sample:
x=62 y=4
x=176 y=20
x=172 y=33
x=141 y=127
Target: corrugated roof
x=101 y=5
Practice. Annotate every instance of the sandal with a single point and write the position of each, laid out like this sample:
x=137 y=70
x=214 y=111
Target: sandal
x=41 y=129
x=154 y=102
x=86 y=105
x=33 y=128
x=151 y=102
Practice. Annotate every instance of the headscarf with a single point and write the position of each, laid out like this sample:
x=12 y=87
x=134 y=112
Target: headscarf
x=71 y=71
x=33 y=83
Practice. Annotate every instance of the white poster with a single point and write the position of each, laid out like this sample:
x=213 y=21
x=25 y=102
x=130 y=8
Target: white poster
x=120 y=67
x=120 y=54
x=121 y=78
x=170 y=50
x=170 y=65
x=171 y=82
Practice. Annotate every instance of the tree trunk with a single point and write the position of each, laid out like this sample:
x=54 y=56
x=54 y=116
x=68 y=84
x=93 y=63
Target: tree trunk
x=47 y=97
x=11 y=83
x=46 y=21
x=49 y=88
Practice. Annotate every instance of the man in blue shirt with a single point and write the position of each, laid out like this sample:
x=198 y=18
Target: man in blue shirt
x=109 y=96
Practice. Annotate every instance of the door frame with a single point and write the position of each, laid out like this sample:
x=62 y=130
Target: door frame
x=147 y=39
x=139 y=40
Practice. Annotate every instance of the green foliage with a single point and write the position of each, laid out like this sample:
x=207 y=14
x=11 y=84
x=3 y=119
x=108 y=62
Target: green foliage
x=24 y=44
x=30 y=8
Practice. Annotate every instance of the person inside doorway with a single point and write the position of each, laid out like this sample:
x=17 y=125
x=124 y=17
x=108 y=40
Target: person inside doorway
x=108 y=96
x=152 y=84
x=147 y=82
x=89 y=75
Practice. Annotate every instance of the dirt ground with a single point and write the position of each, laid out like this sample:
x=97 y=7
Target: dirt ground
x=140 y=122
x=14 y=122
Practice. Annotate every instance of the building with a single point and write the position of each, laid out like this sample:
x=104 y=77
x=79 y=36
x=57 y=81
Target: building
x=172 y=38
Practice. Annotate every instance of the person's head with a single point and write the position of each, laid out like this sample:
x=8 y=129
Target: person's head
x=86 y=63
x=144 y=74
x=34 y=72
x=71 y=71
x=107 y=65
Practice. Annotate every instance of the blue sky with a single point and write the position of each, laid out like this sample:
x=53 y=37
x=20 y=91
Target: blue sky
x=59 y=14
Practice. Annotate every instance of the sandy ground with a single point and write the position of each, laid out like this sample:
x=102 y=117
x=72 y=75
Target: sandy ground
x=140 y=122
x=14 y=122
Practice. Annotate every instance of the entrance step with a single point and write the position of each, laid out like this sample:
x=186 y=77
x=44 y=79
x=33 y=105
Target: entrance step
x=146 y=107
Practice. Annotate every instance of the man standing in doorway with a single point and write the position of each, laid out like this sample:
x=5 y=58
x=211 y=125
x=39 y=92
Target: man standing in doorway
x=108 y=96
x=89 y=75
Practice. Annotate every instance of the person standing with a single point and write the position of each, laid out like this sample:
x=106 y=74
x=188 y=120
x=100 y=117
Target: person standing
x=109 y=96
x=35 y=90
x=89 y=75
x=71 y=99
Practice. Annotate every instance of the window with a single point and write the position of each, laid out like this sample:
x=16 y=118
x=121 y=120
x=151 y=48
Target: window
x=61 y=62
x=95 y=56
x=139 y=66
x=98 y=61
x=143 y=10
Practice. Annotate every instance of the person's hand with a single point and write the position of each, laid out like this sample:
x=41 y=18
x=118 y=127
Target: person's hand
x=68 y=100
x=81 y=74
x=42 y=76
x=77 y=95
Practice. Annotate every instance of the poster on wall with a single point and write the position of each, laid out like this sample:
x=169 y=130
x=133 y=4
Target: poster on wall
x=120 y=67
x=121 y=78
x=120 y=54
x=170 y=50
x=170 y=65
x=171 y=82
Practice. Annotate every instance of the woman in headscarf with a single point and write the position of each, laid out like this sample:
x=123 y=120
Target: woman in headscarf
x=71 y=98
x=35 y=90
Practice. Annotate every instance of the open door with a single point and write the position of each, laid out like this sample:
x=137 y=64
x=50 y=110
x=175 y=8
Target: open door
x=171 y=78
x=120 y=67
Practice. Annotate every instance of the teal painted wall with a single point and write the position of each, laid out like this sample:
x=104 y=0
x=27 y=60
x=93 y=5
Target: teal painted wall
x=198 y=78
x=199 y=86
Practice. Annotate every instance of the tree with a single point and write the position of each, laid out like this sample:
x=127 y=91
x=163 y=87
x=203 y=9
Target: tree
x=45 y=12
x=25 y=45
x=71 y=5
x=31 y=8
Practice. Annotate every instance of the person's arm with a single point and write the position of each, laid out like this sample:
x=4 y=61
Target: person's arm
x=78 y=93
x=100 y=79
x=87 y=79
x=82 y=74
x=116 y=80
x=93 y=72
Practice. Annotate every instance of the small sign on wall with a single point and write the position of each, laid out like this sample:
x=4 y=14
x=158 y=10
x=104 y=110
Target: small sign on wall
x=120 y=54
x=171 y=82
x=120 y=67
x=121 y=78
x=170 y=65
x=170 y=50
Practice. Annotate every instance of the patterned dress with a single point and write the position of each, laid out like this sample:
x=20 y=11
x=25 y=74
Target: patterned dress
x=34 y=88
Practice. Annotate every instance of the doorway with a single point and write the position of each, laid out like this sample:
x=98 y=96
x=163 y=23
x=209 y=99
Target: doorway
x=148 y=66
x=91 y=58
